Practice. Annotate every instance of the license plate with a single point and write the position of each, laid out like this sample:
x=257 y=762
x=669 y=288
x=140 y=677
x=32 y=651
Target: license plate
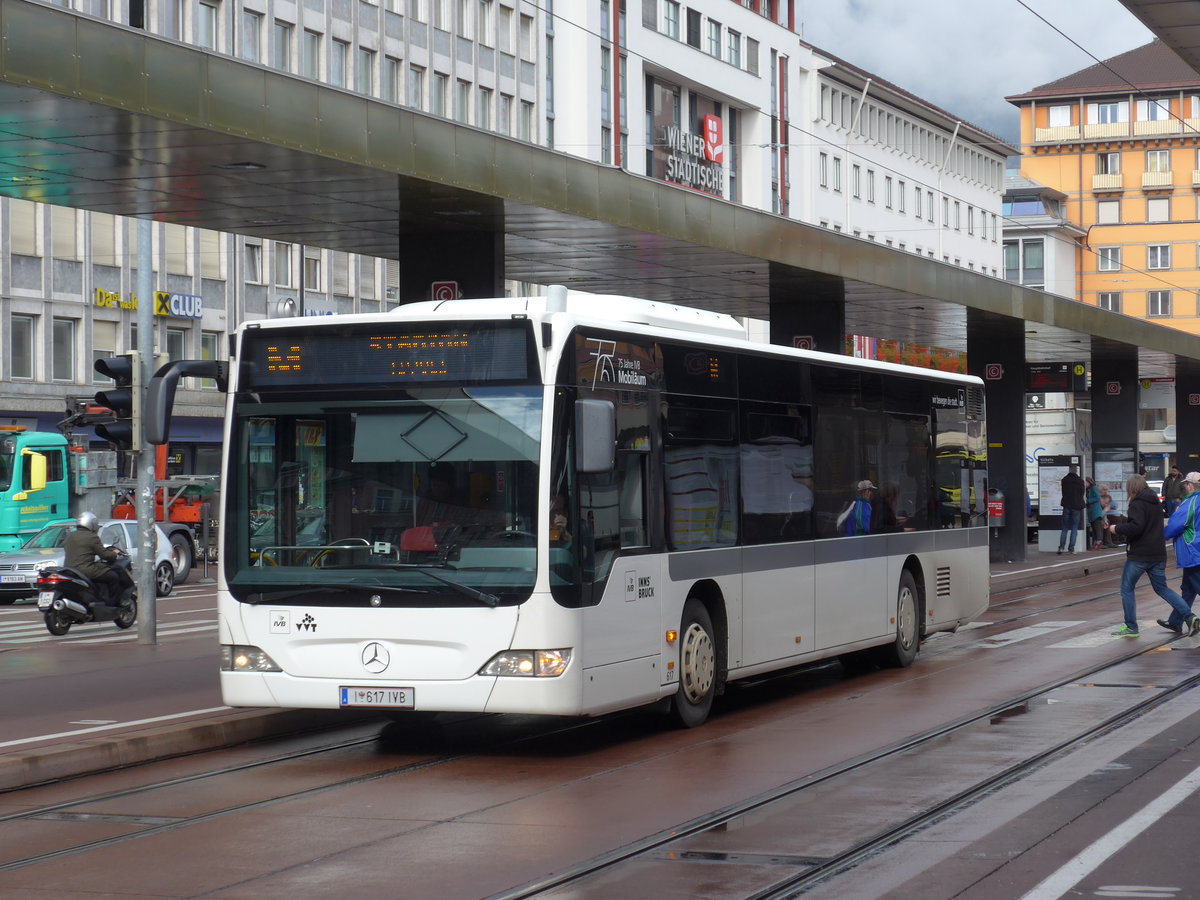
x=389 y=698
x=13 y=579
x=45 y=598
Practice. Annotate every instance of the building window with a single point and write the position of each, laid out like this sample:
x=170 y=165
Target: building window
x=1108 y=212
x=1158 y=256
x=1024 y=262
x=1110 y=300
x=282 y=59
x=20 y=345
x=312 y=270
x=210 y=348
x=484 y=23
x=1108 y=163
x=206 y=26
x=714 y=39
x=929 y=206
x=526 y=38
x=416 y=87
x=1059 y=116
x=887 y=190
x=311 y=59
x=525 y=121
x=437 y=94
x=837 y=174
x=901 y=189
x=855 y=182
x=389 y=80
x=870 y=185
x=504 y=29
x=1108 y=259
x=462 y=101
x=733 y=48
x=823 y=169
x=64 y=350
x=671 y=19
x=252 y=263
x=251 y=35
x=283 y=264
x=1158 y=160
x=917 y=202
x=364 y=78
x=1154 y=110
x=339 y=56
x=1158 y=209
x=752 y=56
x=464 y=19
x=1158 y=303
x=504 y=114
x=693 y=28
x=1109 y=112
x=483 y=108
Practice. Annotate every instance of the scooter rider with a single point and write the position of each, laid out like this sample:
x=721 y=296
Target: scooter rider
x=83 y=545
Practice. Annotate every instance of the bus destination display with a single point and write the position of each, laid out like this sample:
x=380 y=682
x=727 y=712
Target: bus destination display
x=480 y=352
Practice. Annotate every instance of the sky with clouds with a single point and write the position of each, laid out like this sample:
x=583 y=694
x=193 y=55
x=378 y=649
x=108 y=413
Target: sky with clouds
x=966 y=56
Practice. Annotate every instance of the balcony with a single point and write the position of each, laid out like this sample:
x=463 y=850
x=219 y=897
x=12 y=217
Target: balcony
x=1107 y=182
x=1156 y=179
x=1106 y=131
x=1056 y=135
x=1195 y=177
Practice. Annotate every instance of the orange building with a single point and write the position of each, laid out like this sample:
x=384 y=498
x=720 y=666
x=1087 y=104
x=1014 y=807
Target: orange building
x=1121 y=140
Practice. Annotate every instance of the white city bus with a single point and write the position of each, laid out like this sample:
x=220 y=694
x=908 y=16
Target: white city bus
x=574 y=504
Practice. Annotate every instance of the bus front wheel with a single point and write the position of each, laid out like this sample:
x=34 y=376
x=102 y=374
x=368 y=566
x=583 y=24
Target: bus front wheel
x=903 y=650
x=697 y=666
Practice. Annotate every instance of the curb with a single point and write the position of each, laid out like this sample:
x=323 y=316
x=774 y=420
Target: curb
x=42 y=765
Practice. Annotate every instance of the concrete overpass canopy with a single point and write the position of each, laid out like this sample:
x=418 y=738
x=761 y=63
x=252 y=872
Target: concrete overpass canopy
x=102 y=117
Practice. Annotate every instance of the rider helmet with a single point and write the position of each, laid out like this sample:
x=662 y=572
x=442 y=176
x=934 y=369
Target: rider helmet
x=89 y=521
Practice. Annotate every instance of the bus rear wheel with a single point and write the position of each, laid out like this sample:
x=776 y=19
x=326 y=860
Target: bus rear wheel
x=697 y=666
x=903 y=650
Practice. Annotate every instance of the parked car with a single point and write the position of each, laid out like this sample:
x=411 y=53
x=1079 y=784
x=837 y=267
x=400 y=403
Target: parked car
x=19 y=568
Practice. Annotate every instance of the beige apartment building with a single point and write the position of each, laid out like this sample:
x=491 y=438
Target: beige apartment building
x=1121 y=141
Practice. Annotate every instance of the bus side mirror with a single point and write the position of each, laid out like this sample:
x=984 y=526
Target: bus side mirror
x=160 y=394
x=35 y=473
x=595 y=436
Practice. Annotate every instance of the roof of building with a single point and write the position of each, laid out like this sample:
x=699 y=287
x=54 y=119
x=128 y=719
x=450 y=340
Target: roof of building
x=980 y=135
x=1019 y=184
x=1151 y=67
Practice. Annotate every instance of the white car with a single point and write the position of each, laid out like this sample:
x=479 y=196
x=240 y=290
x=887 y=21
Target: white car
x=19 y=568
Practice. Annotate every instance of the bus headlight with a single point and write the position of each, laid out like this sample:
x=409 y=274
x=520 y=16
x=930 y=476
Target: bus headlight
x=240 y=658
x=528 y=663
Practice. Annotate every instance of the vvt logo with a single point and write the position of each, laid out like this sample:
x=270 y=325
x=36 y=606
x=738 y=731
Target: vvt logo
x=308 y=623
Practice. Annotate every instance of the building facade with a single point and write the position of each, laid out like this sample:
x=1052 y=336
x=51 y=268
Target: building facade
x=717 y=96
x=1121 y=141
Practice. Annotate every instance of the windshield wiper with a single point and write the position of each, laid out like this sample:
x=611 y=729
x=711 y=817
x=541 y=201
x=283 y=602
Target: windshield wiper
x=284 y=596
x=482 y=596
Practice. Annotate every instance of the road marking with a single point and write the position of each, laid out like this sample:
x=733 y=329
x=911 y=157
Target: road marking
x=1024 y=634
x=1101 y=850
x=129 y=724
x=1105 y=636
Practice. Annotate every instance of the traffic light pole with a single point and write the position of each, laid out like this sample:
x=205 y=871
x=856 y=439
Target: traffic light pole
x=144 y=568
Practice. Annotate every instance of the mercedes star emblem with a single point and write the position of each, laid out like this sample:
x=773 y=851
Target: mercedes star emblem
x=375 y=657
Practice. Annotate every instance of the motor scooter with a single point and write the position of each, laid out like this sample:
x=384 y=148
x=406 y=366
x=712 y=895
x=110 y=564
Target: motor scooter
x=67 y=597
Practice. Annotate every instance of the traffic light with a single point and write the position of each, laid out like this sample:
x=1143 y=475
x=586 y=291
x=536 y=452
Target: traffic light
x=124 y=399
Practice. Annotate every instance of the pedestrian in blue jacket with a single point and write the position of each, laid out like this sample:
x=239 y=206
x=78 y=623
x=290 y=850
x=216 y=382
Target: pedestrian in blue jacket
x=1184 y=529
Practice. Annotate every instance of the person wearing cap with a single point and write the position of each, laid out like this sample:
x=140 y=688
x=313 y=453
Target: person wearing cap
x=1073 y=505
x=1184 y=529
x=1172 y=490
x=1146 y=554
x=856 y=518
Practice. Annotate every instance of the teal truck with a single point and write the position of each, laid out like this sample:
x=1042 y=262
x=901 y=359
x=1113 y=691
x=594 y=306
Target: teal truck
x=35 y=483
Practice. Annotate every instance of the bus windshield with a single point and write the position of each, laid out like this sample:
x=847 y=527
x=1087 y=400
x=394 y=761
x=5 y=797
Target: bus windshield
x=425 y=499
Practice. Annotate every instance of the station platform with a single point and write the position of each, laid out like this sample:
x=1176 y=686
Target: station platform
x=68 y=710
